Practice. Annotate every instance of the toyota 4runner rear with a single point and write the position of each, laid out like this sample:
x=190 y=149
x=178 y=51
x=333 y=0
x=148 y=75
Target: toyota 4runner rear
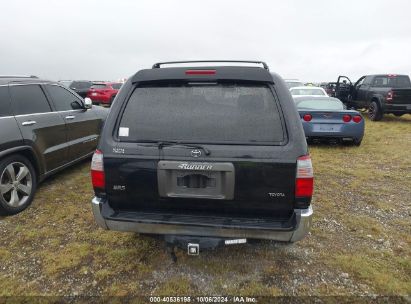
x=214 y=152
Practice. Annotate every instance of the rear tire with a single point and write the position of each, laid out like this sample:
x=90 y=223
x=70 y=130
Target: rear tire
x=357 y=142
x=18 y=184
x=374 y=111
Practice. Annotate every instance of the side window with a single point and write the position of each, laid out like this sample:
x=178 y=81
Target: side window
x=380 y=81
x=362 y=81
x=367 y=80
x=4 y=101
x=29 y=99
x=74 y=85
x=63 y=100
x=84 y=85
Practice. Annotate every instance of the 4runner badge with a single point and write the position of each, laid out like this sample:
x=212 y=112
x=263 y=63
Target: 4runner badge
x=195 y=167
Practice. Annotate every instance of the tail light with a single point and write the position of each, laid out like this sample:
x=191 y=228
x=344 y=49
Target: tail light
x=346 y=118
x=97 y=170
x=304 y=184
x=307 y=117
x=357 y=118
x=390 y=96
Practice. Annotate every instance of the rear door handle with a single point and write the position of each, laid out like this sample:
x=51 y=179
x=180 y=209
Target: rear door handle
x=28 y=123
x=70 y=117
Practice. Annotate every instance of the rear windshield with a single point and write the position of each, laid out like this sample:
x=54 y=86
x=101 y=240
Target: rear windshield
x=98 y=86
x=392 y=81
x=80 y=85
x=217 y=113
x=308 y=91
x=320 y=104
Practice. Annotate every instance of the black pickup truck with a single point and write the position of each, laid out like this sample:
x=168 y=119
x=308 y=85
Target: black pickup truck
x=380 y=94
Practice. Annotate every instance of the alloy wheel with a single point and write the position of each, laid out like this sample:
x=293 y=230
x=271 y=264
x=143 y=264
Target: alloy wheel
x=371 y=111
x=16 y=184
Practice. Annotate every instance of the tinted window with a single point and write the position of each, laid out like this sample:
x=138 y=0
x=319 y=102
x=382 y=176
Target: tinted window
x=4 y=101
x=203 y=113
x=320 y=104
x=29 y=99
x=98 y=86
x=80 y=85
x=380 y=81
x=361 y=82
x=63 y=99
x=367 y=80
x=399 y=82
x=307 y=91
x=116 y=86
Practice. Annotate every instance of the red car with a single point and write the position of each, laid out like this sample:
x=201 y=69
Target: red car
x=103 y=93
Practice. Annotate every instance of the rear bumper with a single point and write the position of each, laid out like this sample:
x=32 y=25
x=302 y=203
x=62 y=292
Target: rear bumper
x=397 y=108
x=303 y=225
x=354 y=131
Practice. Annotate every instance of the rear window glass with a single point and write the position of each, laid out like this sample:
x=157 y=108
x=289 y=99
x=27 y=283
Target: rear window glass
x=98 y=86
x=229 y=113
x=399 y=82
x=312 y=92
x=320 y=104
x=116 y=86
x=80 y=85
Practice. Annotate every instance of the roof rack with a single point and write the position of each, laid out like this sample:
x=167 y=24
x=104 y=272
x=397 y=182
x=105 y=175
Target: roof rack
x=158 y=64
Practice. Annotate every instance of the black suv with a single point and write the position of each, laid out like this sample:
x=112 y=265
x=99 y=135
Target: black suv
x=44 y=127
x=81 y=87
x=204 y=152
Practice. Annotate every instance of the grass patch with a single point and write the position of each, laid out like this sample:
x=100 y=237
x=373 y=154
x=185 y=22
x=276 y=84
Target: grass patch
x=176 y=286
x=389 y=275
x=69 y=257
x=55 y=247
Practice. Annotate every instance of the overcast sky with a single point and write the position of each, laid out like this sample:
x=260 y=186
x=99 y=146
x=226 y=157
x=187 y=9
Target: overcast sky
x=106 y=40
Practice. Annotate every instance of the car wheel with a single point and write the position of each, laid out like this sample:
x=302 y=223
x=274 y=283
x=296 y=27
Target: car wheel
x=18 y=183
x=374 y=112
x=357 y=142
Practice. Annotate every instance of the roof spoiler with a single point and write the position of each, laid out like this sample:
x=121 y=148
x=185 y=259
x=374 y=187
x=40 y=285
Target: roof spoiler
x=159 y=64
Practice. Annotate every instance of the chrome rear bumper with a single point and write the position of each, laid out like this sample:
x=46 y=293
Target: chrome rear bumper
x=303 y=216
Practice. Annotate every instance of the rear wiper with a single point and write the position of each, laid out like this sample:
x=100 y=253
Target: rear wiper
x=163 y=143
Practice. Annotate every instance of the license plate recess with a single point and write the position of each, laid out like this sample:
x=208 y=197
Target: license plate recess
x=196 y=180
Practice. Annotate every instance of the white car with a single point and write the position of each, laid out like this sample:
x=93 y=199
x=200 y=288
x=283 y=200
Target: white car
x=308 y=91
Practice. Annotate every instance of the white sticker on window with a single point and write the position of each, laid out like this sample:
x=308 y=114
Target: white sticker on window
x=123 y=132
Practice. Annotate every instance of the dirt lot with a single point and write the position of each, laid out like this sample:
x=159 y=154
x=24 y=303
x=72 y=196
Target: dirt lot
x=360 y=243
